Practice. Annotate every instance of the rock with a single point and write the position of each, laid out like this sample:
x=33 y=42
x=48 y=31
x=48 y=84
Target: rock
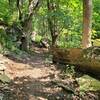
x=4 y=78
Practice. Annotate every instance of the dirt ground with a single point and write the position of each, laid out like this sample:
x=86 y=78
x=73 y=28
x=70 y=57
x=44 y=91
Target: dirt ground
x=31 y=79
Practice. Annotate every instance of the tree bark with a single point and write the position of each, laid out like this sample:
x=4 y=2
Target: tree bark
x=27 y=24
x=52 y=23
x=87 y=60
x=87 y=16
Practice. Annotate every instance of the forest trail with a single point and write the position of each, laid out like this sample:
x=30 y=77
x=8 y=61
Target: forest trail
x=31 y=77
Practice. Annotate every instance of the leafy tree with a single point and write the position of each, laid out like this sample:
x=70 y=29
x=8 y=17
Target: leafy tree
x=96 y=19
x=52 y=19
x=58 y=20
x=26 y=20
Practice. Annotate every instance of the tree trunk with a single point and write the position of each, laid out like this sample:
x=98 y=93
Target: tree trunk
x=87 y=15
x=27 y=29
x=52 y=21
x=27 y=24
x=87 y=60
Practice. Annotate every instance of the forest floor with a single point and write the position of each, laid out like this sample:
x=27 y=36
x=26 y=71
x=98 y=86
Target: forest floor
x=34 y=77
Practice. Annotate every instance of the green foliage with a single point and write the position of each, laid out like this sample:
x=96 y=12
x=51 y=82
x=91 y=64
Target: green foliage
x=7 y=13
x=69 y=40
x=96 y=42
x=38 y=38
x=69 y=71
x=6 y=42
x=88 y=83
x=68 y=16
x=96 y=19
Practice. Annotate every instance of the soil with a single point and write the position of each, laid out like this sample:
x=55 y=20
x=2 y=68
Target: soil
x=31 y=79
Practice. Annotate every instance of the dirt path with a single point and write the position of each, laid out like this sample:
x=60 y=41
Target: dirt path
x=31 y=78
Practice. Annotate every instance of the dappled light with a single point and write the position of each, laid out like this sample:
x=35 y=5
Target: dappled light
x=49 y=49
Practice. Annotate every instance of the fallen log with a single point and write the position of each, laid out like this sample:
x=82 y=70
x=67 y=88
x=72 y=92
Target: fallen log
x=87 y=60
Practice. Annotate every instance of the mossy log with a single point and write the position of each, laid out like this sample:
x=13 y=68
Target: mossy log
x=85 y=59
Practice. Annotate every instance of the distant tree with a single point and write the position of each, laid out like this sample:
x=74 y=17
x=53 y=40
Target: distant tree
x=52 y=20
x=87 y=23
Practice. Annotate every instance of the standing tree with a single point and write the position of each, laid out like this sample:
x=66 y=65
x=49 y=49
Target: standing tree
x=26 y=20
x=87 y=15
x=52 y=20
x=27 y=23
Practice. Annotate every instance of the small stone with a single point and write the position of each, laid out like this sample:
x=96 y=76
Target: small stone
x=4 y=78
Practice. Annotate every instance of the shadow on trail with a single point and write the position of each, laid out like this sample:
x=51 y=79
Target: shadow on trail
x=39 y=88
x=34 y=59
x=26 y=88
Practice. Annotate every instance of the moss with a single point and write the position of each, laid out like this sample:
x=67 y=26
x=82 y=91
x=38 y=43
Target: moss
x=88 y=83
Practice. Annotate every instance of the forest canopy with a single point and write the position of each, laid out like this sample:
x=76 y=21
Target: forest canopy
x=60 y=21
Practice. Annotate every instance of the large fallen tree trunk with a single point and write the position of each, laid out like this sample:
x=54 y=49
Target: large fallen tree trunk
x=84 y=59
